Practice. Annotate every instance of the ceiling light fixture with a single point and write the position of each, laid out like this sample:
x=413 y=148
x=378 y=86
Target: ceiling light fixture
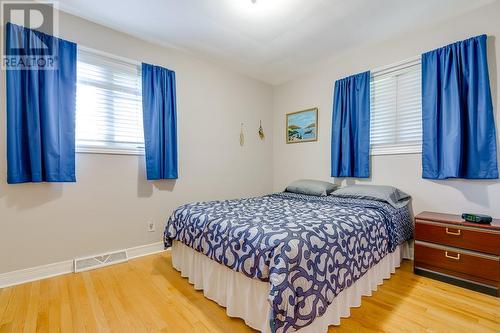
x=257 y=9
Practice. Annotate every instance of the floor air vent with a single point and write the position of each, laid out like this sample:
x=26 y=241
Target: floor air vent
x=106 y=259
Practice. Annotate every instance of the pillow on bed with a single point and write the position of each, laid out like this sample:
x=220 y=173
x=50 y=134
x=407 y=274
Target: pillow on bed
x=389 y=194
x=311 y=187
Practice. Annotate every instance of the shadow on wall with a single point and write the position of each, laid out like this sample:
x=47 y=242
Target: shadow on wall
x=29 y=195
x=492 y=69
x=351 y=181
x=473 y=190
x=359 y=181
x=145 y=188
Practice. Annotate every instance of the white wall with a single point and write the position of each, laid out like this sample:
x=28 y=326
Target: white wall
x=111 y=202
x=312 y=160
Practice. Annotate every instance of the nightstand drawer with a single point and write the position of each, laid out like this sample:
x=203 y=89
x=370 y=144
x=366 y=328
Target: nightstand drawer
x=451 y=259
x=456 y=236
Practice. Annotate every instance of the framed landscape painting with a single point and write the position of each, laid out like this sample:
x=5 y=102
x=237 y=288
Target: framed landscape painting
x=302 y=126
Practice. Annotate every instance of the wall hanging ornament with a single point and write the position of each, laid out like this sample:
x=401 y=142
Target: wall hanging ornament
x=242 y=136
x=261 y=132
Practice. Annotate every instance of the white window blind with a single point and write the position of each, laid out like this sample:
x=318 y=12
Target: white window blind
x=396 y=109
x=108 y=104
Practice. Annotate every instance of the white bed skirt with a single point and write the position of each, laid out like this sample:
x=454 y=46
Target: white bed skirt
x=247 y=298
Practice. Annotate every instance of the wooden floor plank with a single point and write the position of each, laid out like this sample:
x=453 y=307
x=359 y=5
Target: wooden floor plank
x=148 y=295
x=55 y=308
x=95 y=304
x=42 y=315
x=67 y=315
x=5 y=298
x=19 y=309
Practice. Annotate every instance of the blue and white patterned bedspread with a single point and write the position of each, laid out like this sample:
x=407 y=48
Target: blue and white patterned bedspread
x=308 y=248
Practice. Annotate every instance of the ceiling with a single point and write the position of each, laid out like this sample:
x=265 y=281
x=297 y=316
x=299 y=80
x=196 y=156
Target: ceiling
x=271 y=40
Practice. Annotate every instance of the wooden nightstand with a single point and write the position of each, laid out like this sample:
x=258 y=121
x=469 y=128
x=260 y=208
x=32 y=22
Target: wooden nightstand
x=462 y=253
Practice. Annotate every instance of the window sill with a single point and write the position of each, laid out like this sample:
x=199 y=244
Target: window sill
x=396 y=150
x=109 y=151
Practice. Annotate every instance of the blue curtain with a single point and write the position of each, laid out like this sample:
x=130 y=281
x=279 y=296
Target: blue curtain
x=459 y=136
x=160 y=122
x=351 y=127
x=40 y=108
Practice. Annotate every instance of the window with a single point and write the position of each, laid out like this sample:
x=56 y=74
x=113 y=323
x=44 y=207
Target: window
x=108 y=104
x=396 y=109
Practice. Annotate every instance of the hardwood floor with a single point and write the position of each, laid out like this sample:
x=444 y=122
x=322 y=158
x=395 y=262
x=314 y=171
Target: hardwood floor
x=148 y=295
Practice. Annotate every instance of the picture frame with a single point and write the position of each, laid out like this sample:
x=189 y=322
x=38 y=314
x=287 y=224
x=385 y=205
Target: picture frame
x=302 y=126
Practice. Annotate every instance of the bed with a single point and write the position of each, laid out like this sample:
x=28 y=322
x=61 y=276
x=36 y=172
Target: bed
x=288 y=262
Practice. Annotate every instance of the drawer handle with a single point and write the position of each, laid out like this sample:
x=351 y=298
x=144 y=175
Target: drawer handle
x=452 y=257
x=457 y=233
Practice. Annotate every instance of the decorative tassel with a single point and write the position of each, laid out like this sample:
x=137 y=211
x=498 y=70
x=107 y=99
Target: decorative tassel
x=261 y=132
x=242 y=136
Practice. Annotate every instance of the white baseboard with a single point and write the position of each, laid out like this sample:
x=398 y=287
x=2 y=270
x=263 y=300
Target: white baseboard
x=145 y=250
x=35 y=273
x=64 y=267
